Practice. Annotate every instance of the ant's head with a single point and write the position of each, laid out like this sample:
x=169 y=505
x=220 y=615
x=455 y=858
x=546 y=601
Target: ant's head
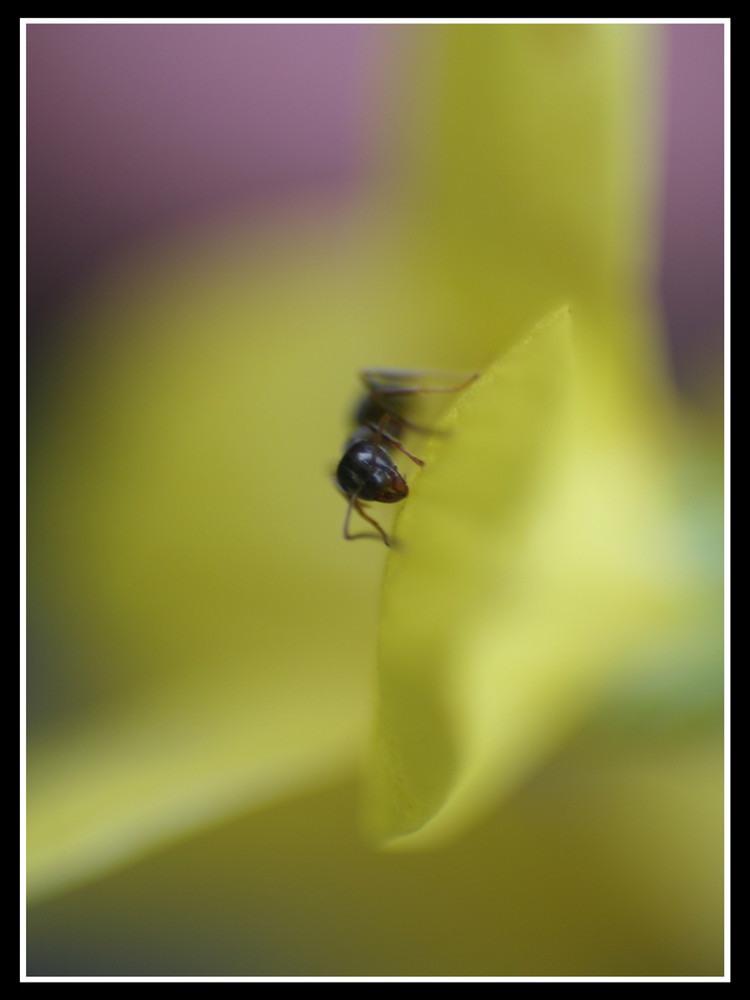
x=368 y=472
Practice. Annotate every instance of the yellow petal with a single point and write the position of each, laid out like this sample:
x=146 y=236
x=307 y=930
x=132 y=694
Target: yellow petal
x=608 y=864
x=532 y=177
x=536 y=559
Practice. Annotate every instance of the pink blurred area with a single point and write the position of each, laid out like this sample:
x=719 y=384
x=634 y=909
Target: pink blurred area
x=132 y=129
x=692 y=268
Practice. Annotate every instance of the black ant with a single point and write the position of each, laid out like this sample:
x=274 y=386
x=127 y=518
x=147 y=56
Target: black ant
x=367 y=471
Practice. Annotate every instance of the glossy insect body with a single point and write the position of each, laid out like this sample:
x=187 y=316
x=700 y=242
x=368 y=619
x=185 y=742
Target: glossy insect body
x=367 y=470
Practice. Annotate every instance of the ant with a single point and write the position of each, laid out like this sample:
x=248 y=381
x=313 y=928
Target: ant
x=367 y=470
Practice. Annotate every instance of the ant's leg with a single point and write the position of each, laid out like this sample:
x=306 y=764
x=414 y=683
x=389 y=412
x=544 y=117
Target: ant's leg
x=373 y=522
x=409 y=390
x=394 y=442
x=353 y=502
x=378 y=391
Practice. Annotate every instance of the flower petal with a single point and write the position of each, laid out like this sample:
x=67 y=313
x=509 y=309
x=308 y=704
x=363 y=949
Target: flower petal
x=536 y=558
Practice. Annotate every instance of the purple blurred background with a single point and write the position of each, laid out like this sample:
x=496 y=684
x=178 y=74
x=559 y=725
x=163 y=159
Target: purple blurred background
x=132 y=129
x=692 y=269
